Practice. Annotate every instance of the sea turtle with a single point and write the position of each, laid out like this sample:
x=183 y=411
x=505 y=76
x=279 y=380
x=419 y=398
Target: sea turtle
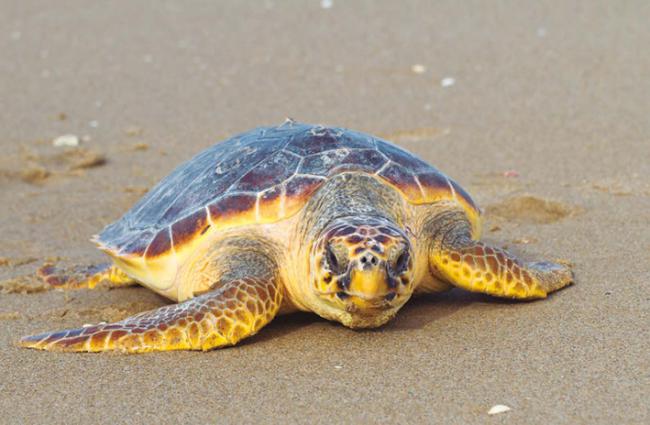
x=294 y=217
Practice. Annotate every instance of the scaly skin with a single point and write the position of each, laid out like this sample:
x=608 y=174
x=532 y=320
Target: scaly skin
x=242 y=292
x=108 y=275
x=218 y=318
x=478 y=267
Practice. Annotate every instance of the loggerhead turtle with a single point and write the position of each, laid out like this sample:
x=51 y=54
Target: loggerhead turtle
x=294 y=217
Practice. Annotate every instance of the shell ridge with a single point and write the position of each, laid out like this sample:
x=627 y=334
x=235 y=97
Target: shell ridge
x=238 y=140
x=257 y=207
x=383 y=167
x=208 y=217
x=235 y=140
x=451 y=188
x=417 y=180
x=313 y=176
x=283 y=149
x=383 y=154
x=183 y=168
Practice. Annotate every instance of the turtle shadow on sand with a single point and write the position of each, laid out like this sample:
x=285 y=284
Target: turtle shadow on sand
x=419 y=312
x=283 y=326
x=425 y=309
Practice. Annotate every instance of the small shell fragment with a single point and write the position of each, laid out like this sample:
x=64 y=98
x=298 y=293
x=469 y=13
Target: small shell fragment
x=133 y=130
x=498 y=408
x=447 y=82
x=418 y=68
x=67 y=140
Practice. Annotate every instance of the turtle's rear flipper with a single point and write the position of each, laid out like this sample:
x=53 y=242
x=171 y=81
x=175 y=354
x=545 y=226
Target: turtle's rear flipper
x=218 y=318
x=108 y=275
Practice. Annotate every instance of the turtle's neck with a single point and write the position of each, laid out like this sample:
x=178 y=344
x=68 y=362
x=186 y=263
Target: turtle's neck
x=350 y=194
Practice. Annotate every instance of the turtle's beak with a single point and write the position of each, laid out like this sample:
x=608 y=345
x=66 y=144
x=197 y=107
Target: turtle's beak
x=369 y=285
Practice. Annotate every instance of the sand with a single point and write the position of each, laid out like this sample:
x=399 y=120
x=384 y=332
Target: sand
x=540 y=111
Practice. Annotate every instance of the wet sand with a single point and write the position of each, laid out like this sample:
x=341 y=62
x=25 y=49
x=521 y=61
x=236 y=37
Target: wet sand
x=540 y=111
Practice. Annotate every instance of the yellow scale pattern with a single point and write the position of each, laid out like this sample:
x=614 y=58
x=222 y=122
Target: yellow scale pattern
x=481 y=268
x=218 y=318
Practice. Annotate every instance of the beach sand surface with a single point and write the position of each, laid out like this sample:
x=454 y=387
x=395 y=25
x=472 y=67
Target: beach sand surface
x=540 y=110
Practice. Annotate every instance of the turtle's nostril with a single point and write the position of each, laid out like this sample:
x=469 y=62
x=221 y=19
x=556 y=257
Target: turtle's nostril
x=368 y=260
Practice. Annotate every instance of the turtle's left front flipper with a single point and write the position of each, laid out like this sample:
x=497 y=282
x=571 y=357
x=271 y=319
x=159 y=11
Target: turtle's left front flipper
x=221 y=317
x=479 y=267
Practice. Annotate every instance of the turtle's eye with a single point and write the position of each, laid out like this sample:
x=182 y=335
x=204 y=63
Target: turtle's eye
x=400 y=262
x=336 y=261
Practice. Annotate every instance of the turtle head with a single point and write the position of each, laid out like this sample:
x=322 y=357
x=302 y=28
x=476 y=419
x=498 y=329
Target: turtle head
x=362 y=270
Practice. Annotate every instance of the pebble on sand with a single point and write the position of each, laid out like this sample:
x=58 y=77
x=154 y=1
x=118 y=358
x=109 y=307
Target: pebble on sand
x=326 y=4
x=140 y=146
x=447 y=82
x=133 y=130
x=498 y=408
x=67 y=140
x=418 y=68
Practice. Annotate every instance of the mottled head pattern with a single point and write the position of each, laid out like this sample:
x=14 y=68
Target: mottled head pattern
x=364 y=267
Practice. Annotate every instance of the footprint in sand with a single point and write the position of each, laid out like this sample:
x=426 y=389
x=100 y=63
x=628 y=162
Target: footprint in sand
x=531 y=209
x=23 y=285
x=10 y=315
x=37 y=169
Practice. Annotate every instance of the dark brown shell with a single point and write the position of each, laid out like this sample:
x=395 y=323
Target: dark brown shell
x=263 y=176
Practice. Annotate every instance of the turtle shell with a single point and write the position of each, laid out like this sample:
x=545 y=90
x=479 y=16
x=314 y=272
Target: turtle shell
x=261 y=176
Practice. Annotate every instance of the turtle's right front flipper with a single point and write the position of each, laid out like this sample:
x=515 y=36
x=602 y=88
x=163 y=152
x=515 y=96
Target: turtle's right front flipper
x=218 y=318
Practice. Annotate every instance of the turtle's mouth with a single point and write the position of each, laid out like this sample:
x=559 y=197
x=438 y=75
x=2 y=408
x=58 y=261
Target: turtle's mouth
x=361 y=305
x=355 y=301
x=362 y=300
x=365 y=290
